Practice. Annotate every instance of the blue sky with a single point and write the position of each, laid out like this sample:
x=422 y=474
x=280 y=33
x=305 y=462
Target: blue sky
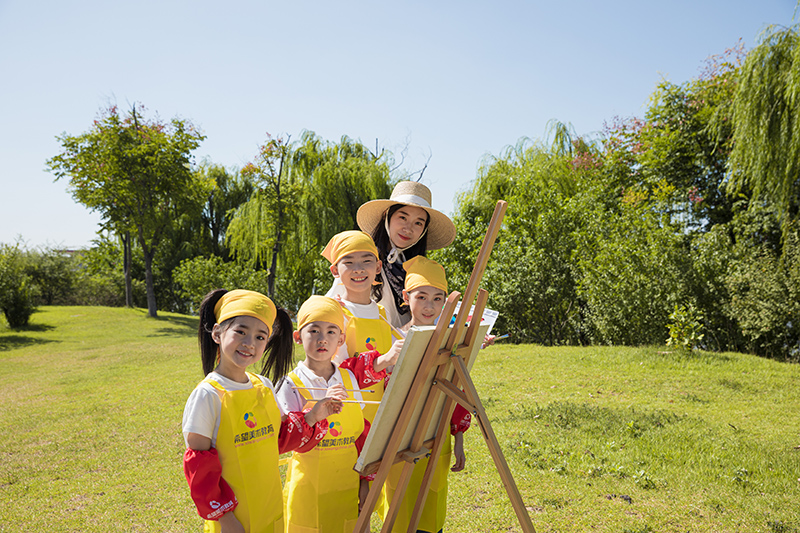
x=453 y=81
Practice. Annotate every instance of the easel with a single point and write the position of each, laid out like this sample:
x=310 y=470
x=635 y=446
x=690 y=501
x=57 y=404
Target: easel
x=452 y=354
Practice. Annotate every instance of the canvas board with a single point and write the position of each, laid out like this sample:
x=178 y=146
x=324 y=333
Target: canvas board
x=394 y=397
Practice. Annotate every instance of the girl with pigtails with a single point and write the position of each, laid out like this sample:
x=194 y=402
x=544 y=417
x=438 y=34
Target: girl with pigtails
x=232 y=425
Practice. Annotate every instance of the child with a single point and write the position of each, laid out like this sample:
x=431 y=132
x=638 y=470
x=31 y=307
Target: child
x=425 y=293
x=321 y=490
x=232 y=425
x=354 y=261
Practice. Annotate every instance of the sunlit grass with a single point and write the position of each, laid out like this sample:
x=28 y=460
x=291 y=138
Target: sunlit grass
x=598 y=439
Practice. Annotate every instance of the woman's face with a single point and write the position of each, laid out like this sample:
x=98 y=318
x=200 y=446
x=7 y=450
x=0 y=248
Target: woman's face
x=406 y=226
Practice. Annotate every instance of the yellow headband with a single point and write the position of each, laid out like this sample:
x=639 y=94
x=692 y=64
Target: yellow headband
x=348 y=242
x=320 y=309
x=245 y=303
x=421 y=272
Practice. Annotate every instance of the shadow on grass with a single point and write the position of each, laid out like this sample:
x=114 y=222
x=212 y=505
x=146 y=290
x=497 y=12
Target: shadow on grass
x=12 y=342
x=185 y=326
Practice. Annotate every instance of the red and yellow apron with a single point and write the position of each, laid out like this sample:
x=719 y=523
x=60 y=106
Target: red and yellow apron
x=247 y=443
x=435 y=510
x=321 y=489
x=363 y=335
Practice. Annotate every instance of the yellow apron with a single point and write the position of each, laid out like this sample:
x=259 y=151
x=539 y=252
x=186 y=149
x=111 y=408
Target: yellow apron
x=435 y=510
x=363 y=335
x=321 y=489
x=247 y=443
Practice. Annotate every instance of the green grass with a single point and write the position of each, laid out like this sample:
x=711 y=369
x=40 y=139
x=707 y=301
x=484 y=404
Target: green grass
x=598 y=439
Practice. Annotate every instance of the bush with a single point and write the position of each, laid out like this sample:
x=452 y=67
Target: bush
x=54 y=273
x=17 y=292
x=200 y=275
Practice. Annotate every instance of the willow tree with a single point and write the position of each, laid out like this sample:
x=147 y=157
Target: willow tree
x=306 y=192
x=766 y=118
x=136 y=173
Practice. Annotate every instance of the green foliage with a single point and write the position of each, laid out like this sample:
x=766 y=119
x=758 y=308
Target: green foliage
x=18 y=294
x=685 y=327
x=766 y=120
x=200 y=275
x=54 y=272
x=307 y=192
x=632 y=273
x=765 y=298
x=137 y=174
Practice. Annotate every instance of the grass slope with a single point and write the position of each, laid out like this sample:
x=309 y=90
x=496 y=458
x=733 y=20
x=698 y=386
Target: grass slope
x=598 y=439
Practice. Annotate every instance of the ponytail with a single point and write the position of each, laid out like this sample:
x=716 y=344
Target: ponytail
x=279 y=356
x=208 y=347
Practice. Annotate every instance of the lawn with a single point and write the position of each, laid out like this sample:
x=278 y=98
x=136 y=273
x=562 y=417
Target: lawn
x=599 y=439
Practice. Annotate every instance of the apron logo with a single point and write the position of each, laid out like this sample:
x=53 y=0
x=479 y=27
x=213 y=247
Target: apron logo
x=335 y=429
x=214 y=504
x=370 y=346
x=250 y=420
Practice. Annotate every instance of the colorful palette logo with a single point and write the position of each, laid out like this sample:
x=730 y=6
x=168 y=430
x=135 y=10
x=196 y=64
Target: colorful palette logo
x=250 y=420
x=370 y=346
x=335 y=429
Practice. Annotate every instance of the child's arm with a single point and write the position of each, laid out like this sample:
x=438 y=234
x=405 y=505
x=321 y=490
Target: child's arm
x=458 y=453
x=459 y=423
x=203 y=472
x=389 y=358
x=371 y=367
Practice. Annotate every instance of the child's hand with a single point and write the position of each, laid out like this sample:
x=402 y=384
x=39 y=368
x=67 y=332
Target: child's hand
x=390 y=357
x=336 y=391
x=488 y=340
x=323 y=409
x=228 y=523
x=458 y=453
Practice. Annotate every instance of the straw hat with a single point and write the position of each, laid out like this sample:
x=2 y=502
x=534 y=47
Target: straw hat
x=441 y=230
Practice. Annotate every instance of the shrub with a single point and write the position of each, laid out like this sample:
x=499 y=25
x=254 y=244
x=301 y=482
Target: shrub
x=17 y=292
x=200 y=275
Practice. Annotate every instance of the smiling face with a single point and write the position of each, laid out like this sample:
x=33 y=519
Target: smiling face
x=425 y=304
x=406 y=226
x=320 y=341
x=242 y=342
x=357 y=272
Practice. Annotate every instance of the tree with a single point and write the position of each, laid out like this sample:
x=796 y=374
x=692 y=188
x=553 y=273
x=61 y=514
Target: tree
x=260 y=224
x=137 y=174
x=766 y=120
x=305 y=193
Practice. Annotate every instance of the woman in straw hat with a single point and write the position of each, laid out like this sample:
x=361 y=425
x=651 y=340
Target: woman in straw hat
x=403 y=226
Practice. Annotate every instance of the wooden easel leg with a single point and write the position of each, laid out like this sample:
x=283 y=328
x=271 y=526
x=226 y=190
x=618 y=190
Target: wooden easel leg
x=494 y=447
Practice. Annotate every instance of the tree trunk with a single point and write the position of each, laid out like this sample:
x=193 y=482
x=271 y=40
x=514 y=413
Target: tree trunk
x=126 y=268
x=148 y=253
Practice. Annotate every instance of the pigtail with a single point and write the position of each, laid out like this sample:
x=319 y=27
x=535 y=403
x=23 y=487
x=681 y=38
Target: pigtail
x=208 y=348
x=279 y=356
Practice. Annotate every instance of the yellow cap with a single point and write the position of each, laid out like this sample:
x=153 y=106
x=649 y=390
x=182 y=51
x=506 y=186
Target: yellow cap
x=245 y=303
x=421 y=272
x=348 y=242
x=320 y=309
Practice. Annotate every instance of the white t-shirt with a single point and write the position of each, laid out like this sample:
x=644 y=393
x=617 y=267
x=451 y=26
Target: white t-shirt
x=204 y=408
x=290 y=399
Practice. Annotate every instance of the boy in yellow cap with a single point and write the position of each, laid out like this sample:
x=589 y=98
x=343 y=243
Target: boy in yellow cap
x=354 y=261
x=321 y=489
